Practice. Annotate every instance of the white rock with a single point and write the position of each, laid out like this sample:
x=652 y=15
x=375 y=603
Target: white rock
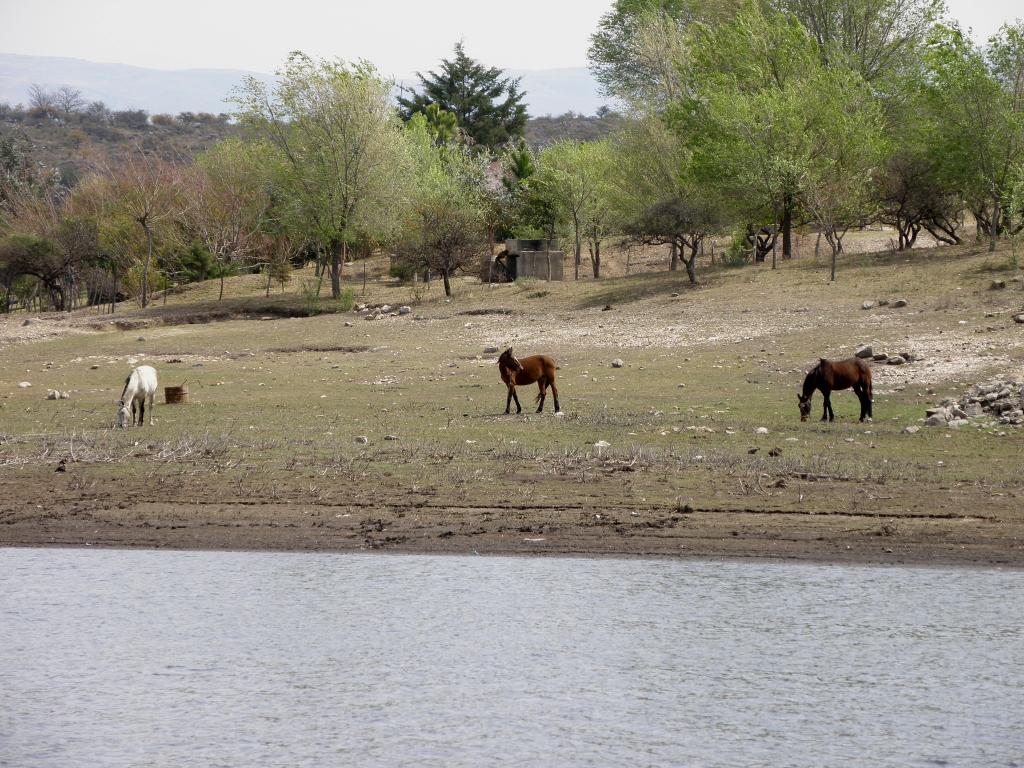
x=761 y=431
x=24 y=384
x=617 y=363
x=911 y=430
x=404 y=310
x=362 y=439
x=867 y=305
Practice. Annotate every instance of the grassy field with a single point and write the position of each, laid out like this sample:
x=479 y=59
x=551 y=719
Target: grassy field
x=266 y=453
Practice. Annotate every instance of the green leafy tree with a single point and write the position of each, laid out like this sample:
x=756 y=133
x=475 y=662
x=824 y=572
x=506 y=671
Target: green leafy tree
x=340 y=145
x=487 y=106
x=976 y=104
x=637 y=46
x=576 y=178
x=445 y=227
x=878 y=39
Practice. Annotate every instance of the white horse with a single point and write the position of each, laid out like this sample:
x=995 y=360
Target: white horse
x=137 y=388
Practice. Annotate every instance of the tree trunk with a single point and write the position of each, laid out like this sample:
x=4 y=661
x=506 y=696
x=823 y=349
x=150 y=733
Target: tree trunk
x=145 y=266
x=337 y=256
x=993 y=230
x=447 y=283
x=595 y=258
x=221 y=283
x=270 y=277
x=691 y=265
x=674 y=264
x=579 y=247
x=787 y=228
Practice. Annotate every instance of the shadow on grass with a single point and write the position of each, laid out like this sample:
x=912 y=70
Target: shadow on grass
x=625 y=290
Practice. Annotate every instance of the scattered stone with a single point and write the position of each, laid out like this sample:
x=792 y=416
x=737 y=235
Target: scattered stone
x=1001 y=400
x=24 y=384
x=386 y=308
x=141 y=338
x=899 y=303
x=404 y=310
x=675 y=295
x=761 y=431
x=867 y=305
x=865 y=352
x=883 y=302
x=895 y=360
x=753 y=450
x=912 y=430
x=30 y=321
x=1019 y=318
x=56 y=394
x=997 y=285
x=936 y=420
x=601 y=445
x=362 y=439
x=94 y=367
x=606 y=308
x=775 y=452
x=390 y=437
x=880 y=357
x=617 y=363
x=348 y=324
x=490 y=349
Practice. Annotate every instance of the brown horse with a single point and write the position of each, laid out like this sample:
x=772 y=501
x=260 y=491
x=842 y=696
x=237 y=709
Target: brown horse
x=526 y=370
x=830 y=375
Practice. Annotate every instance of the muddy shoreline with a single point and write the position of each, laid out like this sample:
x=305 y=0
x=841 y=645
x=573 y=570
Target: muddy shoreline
x=549 y=532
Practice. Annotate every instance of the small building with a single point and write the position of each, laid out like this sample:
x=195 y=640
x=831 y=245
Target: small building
x=538 y=259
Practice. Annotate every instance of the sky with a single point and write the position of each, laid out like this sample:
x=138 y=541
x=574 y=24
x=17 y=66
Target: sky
x=399 y=36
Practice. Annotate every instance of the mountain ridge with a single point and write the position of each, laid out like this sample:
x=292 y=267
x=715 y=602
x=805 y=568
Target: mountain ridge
x=205 y=89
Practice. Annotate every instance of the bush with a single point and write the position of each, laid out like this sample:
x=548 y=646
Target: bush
x=402 y=271
x=738 y=252
x=347 y=300
x=310 y=292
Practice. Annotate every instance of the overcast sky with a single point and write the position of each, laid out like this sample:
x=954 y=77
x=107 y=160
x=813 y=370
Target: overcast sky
x=399 y=36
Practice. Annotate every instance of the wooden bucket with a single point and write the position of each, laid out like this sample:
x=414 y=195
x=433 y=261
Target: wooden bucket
x=176 y=395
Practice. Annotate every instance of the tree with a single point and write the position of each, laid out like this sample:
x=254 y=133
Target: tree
x=975 y=100
x=745 y=82
x=40 y=100
x=681 y=223
x=68 y=100
x=652 y=167
x=340 y=140
x=487 y=106
x=574 y=176
x=146 y=190
x=443 y=125
x=229 y=202
x=635 y=51
x=877 y=39
x=445 y=227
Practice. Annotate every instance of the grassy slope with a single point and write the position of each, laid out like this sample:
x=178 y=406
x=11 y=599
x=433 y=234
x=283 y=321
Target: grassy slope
x=270 y=423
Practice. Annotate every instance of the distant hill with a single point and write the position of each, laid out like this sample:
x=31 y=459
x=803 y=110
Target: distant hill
x=120 y=86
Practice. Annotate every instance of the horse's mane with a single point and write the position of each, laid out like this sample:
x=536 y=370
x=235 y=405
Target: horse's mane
x=811 y=379
x=126 y=383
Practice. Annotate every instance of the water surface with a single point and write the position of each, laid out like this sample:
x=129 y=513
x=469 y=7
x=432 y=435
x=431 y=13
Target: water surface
x=129 y=658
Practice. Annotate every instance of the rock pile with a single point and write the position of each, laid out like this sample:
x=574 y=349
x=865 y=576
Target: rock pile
x=901 y=358
x=1000 y=401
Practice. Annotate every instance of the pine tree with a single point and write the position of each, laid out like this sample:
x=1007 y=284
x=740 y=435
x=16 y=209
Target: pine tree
x=488 y=107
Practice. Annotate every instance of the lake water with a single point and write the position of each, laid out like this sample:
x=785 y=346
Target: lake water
x=144 y=658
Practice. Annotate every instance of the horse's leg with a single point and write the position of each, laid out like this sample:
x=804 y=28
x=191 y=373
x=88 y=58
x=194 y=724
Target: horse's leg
x=142 y=412
x=508 y=401
x=824 y=404
x=831 y=412
x=554 y=394
x=542 y=384
x=133 y=412
x=152 y=410
x=519 y=408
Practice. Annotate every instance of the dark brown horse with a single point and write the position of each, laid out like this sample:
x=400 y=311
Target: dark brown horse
x=526 y=370
x=830 y=375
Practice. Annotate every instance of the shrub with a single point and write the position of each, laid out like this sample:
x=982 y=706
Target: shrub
x=347 y=300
